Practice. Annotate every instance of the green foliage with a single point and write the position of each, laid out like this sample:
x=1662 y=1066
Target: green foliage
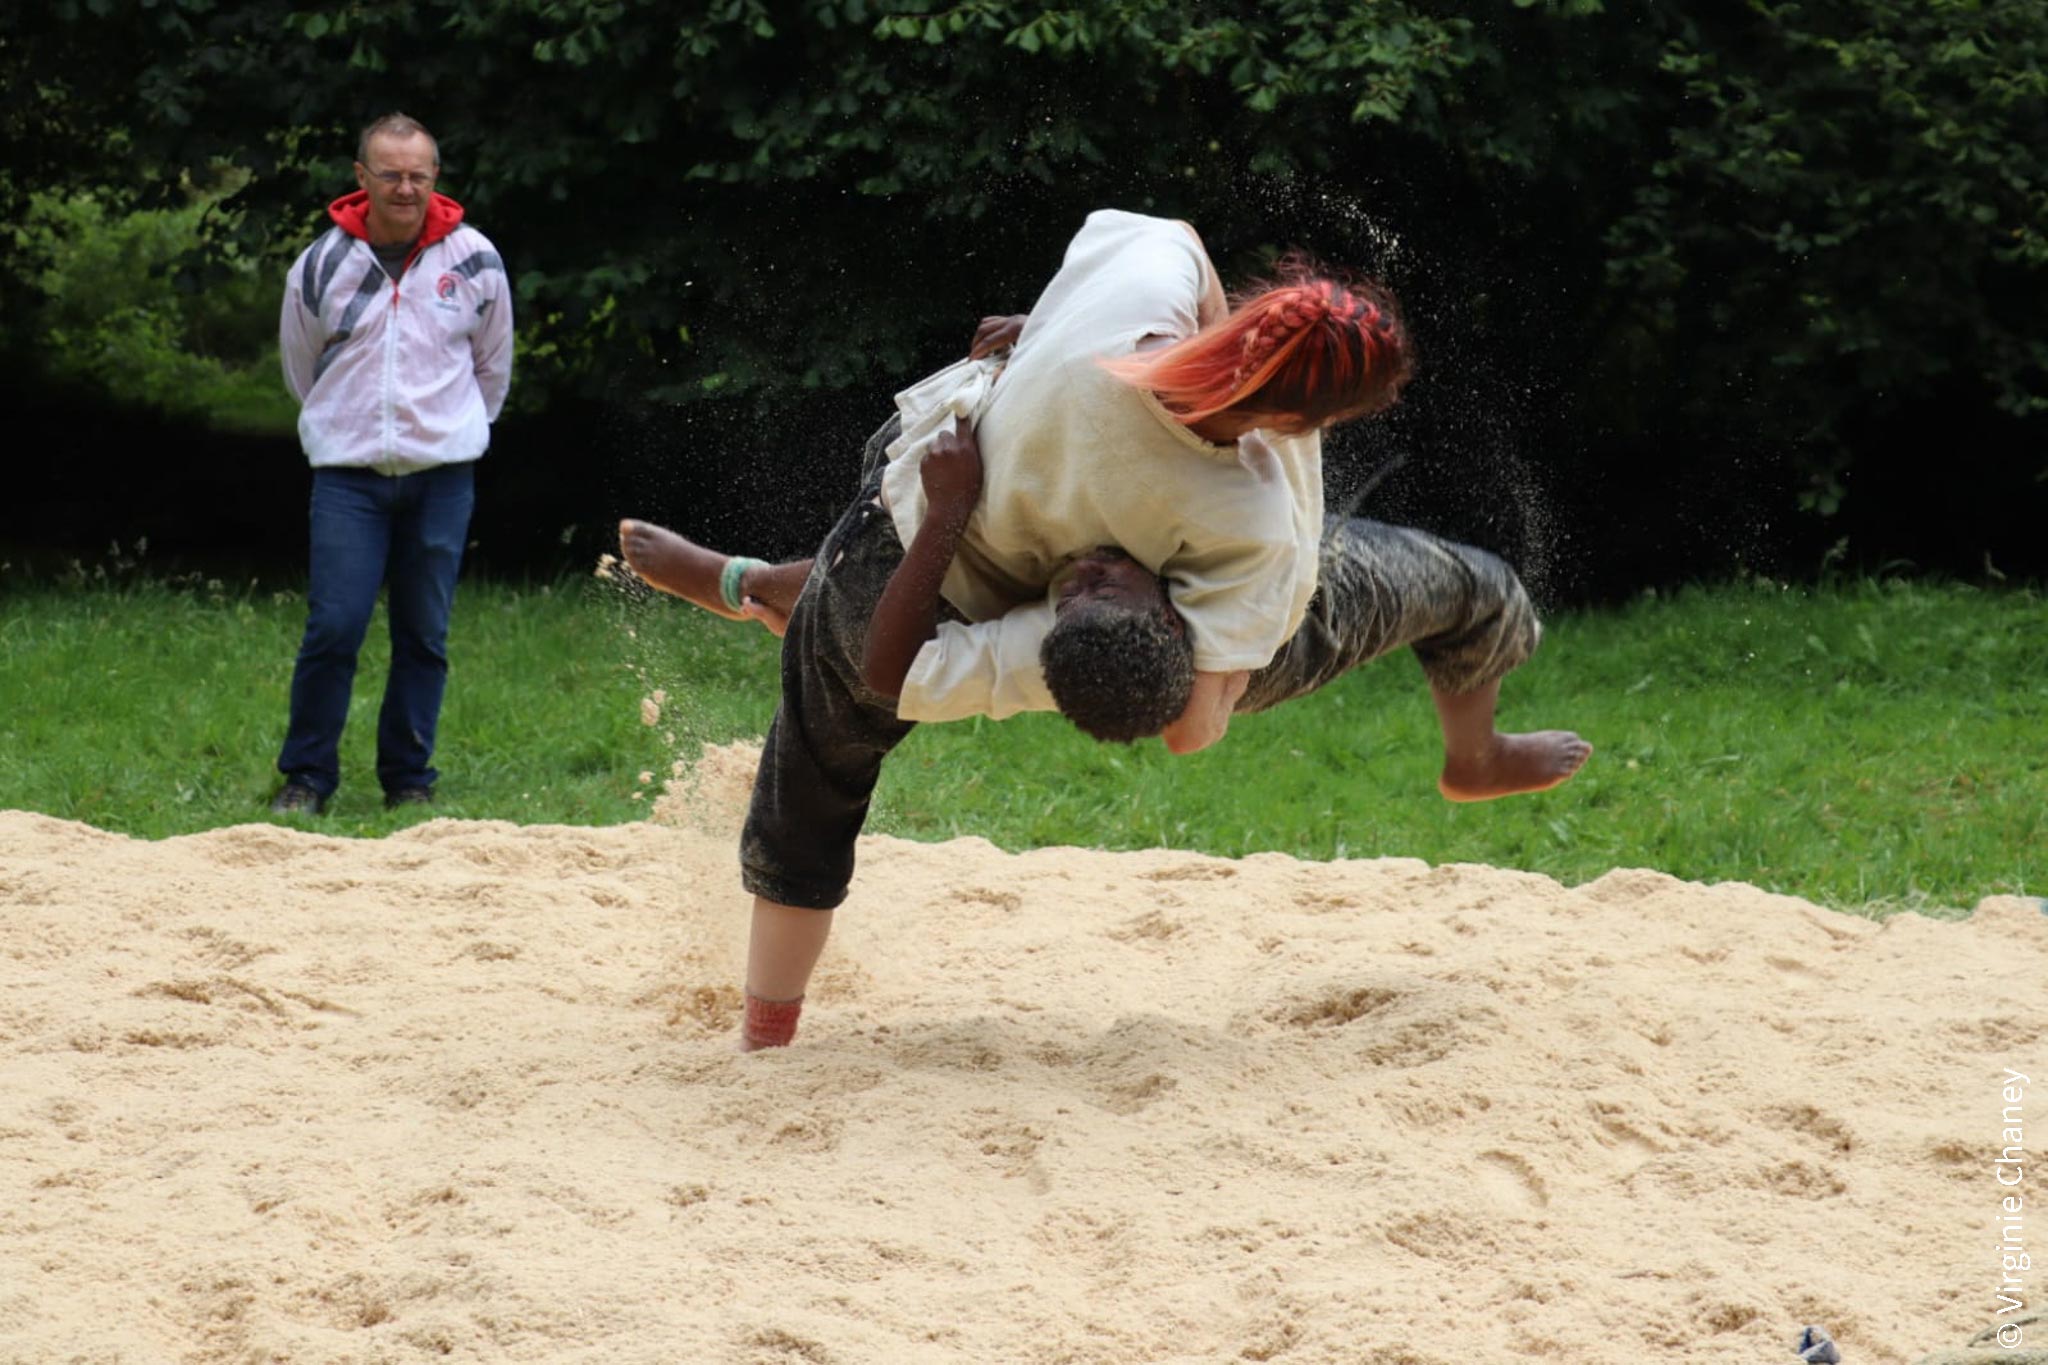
x=1693 y=220
x=1850 y=194
x=114 y=313
x=1873 y=742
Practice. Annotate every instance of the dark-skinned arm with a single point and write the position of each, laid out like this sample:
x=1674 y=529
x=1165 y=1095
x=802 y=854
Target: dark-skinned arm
x=908 y=614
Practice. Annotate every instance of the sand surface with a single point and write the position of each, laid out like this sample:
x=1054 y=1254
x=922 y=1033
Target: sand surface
x=468 y=1093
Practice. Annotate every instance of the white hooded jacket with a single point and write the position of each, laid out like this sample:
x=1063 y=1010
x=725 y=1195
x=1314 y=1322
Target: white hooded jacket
x=402 y=375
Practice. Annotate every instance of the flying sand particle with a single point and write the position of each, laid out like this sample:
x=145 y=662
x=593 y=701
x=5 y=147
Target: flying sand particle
x=710 y=795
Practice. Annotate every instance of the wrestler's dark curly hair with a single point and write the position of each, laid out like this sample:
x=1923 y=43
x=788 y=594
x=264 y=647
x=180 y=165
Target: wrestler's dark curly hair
x=1120 y=674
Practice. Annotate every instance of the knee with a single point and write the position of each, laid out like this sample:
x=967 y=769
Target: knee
x=422 y=594
x=1519 y=613
x=334 y=629
x=419 y=628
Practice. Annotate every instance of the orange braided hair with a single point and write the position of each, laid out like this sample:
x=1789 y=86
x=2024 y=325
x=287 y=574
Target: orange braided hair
x=1307 y=345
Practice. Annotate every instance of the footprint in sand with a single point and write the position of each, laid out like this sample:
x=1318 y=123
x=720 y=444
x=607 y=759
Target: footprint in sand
x=1512 y=1181
x=1011 y=1144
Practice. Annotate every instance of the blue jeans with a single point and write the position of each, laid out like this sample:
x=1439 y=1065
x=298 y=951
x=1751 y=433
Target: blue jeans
x=370 y=530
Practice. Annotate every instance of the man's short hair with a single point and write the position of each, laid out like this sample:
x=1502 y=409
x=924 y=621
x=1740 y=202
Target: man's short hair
x=395 y=125
x=1120 y=674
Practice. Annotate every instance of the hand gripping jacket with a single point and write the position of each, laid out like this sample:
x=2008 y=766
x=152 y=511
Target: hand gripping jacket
x=397 y=375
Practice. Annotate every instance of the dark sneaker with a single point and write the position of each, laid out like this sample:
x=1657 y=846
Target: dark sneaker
x=296 y=798
x=408 y=796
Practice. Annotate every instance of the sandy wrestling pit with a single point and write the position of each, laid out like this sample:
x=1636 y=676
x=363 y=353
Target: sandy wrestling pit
x=468 y=1093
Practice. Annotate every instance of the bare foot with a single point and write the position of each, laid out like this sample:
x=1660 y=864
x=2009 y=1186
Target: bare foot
x=1512 y=764
x=679 y=567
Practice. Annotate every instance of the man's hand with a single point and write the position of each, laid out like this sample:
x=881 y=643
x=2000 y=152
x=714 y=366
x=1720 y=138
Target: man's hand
x=1206 y=717
x=994 y=334
x=952 y=474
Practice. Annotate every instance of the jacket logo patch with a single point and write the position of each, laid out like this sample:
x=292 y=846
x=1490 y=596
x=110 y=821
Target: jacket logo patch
x=444 y=291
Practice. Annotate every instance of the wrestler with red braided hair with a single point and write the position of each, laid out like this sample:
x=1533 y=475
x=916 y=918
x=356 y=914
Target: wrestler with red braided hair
x=1250 y=388
x=1304 y=352
x=1135 y=434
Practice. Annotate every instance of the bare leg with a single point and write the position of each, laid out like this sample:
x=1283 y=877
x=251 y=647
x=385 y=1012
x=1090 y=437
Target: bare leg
x=782 y=951
x=1481 y=763
x=682 y=568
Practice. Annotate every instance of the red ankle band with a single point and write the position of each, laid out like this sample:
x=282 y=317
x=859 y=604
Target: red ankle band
x=771 y=1023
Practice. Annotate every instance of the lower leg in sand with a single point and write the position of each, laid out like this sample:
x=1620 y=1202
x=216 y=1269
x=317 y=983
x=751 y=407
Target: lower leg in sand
x=1481 y=763
x=682 y=568
x=782 y=950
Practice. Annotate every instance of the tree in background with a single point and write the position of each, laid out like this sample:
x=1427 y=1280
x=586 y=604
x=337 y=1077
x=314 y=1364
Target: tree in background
x=1753 y=234
x=117 y=308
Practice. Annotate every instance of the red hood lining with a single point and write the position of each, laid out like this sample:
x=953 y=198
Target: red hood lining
x=352 y=213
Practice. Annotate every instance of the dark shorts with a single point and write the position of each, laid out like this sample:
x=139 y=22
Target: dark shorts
x=825 y=747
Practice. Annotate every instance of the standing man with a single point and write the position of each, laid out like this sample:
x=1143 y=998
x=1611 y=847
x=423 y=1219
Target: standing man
x=396 y=337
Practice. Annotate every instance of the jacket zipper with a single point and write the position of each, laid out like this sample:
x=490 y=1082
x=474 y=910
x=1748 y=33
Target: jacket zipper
x=391 y=366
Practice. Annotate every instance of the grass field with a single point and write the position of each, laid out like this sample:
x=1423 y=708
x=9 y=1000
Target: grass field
x=1872 y=744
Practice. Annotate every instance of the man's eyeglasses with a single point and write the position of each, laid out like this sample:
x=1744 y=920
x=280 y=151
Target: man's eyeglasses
x=418 y=179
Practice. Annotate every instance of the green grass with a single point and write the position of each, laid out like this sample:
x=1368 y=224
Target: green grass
x=1876 y=744
x=156 y=709
x=1880 y=742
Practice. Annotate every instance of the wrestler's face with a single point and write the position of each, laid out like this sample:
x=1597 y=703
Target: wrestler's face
x=1107 y=577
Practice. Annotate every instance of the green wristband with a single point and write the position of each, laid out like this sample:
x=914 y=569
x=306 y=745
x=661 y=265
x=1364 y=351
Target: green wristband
x=729 y=579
